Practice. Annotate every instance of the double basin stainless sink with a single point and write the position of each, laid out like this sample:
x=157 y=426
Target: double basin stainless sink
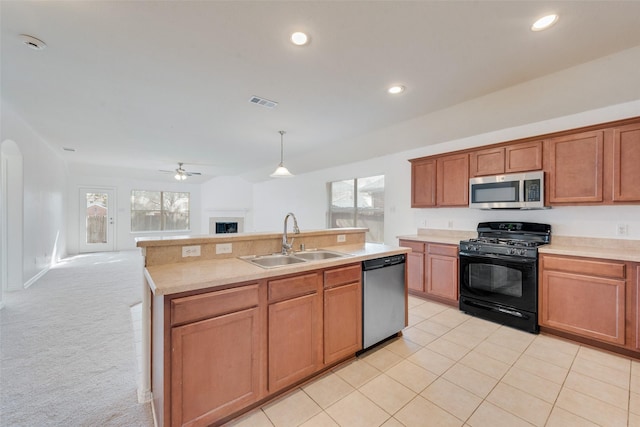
x=279 y=260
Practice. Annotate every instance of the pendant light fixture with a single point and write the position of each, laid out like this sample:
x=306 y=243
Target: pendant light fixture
x=281 y=171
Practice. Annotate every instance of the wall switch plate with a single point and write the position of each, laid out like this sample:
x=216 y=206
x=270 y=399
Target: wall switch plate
x=622 y=229
x=342 y=238
x=190 y=251
x=224 y=248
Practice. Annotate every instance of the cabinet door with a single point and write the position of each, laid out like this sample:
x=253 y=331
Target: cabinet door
x=295 y=340
x=453 y=180
x=442 y=276
x=415 y=271
x=593 y=307
x=216 y=367
x=575 y=169
x=635 y=284
x=415 y=265
x=342 y=322
x=626 y=164
x=523 y=157
x=487 y=162
x=423 y=183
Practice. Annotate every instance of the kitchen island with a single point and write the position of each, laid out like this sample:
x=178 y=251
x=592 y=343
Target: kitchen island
x=227 y=335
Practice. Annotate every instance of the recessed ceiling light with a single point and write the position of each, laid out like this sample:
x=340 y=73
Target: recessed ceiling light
x=32 y=42
x=544 y=22
x=394 y=90
x=299 y=39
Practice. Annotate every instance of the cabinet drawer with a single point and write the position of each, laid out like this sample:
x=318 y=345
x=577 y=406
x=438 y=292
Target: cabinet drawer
x=600 y=268
x=292 y=287
x=342 y=276
x=415 y=246
x=212 y=304
x=446 y=250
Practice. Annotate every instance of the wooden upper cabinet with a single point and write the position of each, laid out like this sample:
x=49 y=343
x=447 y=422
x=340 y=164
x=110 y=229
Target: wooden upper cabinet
x=523 y=157
x=626 y=163
x=423 y=183
x=487 y=162
x=453 y=180
x=575 y=168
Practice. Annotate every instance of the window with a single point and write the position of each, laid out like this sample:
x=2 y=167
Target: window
x=159 y=211
x=358 y=202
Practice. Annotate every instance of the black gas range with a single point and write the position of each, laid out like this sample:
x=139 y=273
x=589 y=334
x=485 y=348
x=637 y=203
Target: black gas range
x=499 y=272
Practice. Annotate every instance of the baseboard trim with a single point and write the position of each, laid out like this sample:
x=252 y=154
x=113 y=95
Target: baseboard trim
x=35 y=278
x=153 y=412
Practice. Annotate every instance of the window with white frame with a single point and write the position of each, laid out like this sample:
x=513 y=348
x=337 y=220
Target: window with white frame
x=159 y=211
x=358 y=202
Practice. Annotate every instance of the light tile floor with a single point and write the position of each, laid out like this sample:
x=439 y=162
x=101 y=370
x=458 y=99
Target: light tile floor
x=451 y=369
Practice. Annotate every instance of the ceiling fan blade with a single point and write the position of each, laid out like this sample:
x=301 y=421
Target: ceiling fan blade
x=165 y=171
x=193 y=173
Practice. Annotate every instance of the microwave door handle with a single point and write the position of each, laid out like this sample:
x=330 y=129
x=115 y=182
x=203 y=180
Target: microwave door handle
x=521 y=196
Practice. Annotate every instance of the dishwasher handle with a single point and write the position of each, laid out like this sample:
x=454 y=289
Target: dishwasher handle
x=374 y=264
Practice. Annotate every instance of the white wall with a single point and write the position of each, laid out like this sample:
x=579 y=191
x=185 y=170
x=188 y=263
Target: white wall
x=306 y=194
x=43 y=228
x=227 y=196
x=124 y=238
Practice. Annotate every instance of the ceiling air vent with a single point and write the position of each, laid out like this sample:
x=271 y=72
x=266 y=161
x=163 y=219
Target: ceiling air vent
x=262 y=101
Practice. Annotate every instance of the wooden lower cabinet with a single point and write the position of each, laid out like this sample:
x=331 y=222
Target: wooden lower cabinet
x=433 y=272
x=590 y=298
x=442 y=272
x=295 y=329
x=342 y=313
x=217 y=355
x=415 y=265
x=213 y=368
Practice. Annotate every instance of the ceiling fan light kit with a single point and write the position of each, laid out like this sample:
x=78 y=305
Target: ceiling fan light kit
x=281 y=171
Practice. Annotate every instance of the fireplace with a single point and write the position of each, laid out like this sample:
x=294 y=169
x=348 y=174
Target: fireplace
x=226 y=225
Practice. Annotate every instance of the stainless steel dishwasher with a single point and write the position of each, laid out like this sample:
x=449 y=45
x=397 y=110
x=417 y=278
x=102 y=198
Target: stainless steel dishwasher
x=383 y=298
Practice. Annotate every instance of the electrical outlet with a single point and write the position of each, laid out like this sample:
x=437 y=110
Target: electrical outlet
x=422 y=223
x=342 y=238
x=450 y=224
x=224 y=248
x=190 y=251
x=622 y=229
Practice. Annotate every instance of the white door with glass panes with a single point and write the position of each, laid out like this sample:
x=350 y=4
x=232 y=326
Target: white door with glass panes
x=97 y=220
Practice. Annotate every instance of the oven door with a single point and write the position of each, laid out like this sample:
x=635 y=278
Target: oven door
x=505 y=280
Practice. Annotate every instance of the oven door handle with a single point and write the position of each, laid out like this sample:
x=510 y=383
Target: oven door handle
x=509 y=258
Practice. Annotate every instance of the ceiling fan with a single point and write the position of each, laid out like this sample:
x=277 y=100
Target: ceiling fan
x=180 y=173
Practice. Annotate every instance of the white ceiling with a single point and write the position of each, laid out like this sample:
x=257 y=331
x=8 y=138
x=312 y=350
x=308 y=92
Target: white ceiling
x=137 y=86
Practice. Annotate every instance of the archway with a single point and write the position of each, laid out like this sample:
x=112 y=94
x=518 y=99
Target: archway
x=11 y=214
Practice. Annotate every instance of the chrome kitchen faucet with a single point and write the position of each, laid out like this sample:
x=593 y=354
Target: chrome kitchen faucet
x=286 y=246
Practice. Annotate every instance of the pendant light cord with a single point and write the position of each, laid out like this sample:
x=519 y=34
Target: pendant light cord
x=282 y=147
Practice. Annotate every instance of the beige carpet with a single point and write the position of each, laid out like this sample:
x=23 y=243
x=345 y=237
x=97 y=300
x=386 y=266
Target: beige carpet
x=67 y=354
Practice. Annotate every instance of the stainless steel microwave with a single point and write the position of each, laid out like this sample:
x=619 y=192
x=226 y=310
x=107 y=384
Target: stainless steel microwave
x=512 y=191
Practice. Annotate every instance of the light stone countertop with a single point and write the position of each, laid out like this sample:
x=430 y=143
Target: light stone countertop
x=182 y=277
x=448 y=237
x=614 y=249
